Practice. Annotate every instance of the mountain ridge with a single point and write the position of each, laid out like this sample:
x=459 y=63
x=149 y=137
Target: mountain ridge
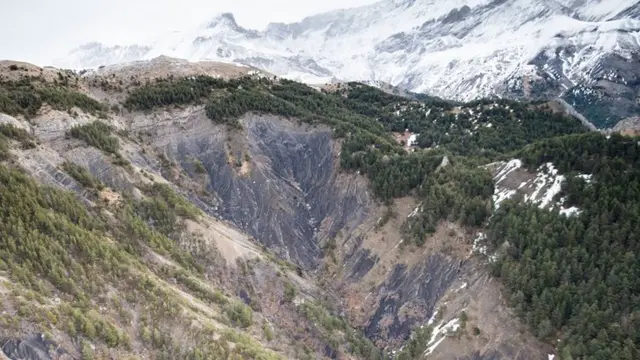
x=453 y=50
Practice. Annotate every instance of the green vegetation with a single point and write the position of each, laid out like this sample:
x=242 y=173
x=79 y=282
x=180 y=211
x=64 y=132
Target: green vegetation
x=98 y=135
x=459 y=192
x=226 y=100
x=196 y=286
x=416 y=345
x=45 y=234
x=53 y=247
x=363 y=115
x=240 y=314
x=8 y=133
x=268 y=333
x=26 y=97
x=165 y=197
x=577 y=278
x=199 y=167
x=81 y=175
x=289 y=292
x=158 y=221
x=18 y=134
x=335 y=330
x=489 y=129
x=172 y=92
x=573 y=278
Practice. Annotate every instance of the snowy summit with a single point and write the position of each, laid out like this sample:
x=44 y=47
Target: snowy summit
x=456 y=49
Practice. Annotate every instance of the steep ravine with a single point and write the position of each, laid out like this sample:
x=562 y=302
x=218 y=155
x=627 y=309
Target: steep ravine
x=281 y=183
x=277 y=181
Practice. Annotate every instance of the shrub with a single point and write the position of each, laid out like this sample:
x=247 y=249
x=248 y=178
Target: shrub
x=199 y=167
x=240 y=314
x=98 y=135
x=289 y=292
x=81 y=175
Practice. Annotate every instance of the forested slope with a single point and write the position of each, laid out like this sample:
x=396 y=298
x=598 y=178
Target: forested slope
x=577 y=278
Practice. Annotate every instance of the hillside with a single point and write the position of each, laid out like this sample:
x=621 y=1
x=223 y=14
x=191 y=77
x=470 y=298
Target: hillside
x=200 y=210
x=584 y=52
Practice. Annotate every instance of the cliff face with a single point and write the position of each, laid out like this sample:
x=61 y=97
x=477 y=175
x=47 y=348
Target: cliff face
x=277 y=181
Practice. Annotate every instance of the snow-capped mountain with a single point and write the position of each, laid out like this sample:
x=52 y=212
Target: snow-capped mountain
x=586 y=51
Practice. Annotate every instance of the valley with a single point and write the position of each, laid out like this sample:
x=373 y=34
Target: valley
x=171 y=210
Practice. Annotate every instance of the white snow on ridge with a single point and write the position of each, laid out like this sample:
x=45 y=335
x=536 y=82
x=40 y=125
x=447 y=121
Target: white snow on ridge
x=548 y=180
x=540 y=190
x=605 y=9
x=507 y=169
x=430 y=46
x=308 y=78
x=478 y=248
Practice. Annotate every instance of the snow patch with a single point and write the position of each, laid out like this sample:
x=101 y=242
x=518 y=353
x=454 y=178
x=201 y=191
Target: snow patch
x=432 y=319
x=478 y=247
x=501 y=195
x=548 y=180
x=507 y=169
x=404 y=43
x=440 y=332
x=572 y=211
x=541 y=190
x=415 y=211
x=412 y=139
x=586 y=177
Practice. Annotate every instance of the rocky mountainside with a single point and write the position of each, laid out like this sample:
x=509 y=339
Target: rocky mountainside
x=586 y=52
x=172 y=210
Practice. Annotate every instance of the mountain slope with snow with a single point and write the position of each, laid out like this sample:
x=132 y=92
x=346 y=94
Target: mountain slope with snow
x=586 y=51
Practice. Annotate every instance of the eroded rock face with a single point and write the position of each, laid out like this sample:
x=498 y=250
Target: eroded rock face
x=279 y=182
x=418 y=290
x=629 y=126
x=33 y=348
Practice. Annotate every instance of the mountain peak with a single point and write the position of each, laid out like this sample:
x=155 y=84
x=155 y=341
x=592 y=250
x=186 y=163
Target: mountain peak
x=457 y=49
x=224 y=19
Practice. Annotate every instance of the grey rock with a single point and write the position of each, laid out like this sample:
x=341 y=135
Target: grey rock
x=33 y=348
x=293 y=195
x=422 y=286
